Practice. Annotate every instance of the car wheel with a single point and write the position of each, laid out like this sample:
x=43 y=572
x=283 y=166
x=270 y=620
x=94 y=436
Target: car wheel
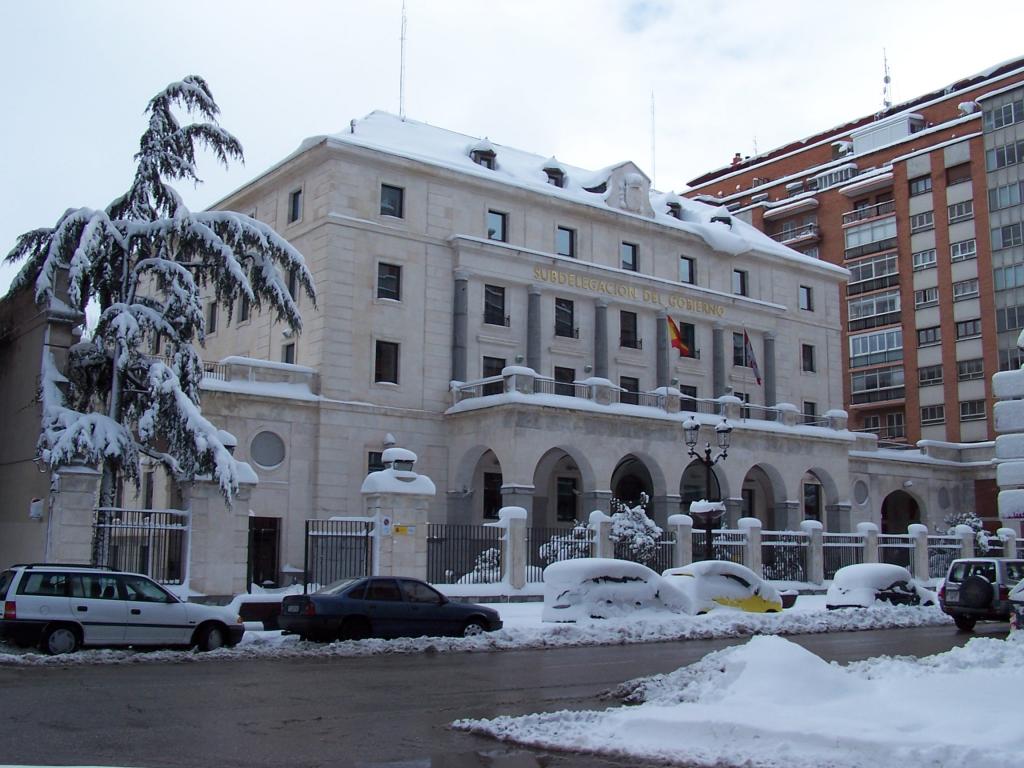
x=976 y=592
x=59 y=639
x=473 y=628
x=354 y=629
x=966 y=623
x=210 y=637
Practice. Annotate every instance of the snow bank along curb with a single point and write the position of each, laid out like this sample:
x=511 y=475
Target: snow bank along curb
x=640 y=627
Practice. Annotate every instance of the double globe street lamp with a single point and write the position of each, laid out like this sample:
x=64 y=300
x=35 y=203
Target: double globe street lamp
x=707 y=517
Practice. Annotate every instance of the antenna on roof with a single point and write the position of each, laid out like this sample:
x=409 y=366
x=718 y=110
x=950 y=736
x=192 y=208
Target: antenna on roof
x=401 y=74
x=887 y=87
x=654 y=174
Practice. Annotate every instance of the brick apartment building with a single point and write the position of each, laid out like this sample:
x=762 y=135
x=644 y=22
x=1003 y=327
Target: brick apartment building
x=922 y=203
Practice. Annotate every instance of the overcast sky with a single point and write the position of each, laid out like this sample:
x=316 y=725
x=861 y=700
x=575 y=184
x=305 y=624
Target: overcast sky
x=572 y=78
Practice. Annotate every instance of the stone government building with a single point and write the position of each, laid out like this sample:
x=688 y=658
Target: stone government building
x=503 y=315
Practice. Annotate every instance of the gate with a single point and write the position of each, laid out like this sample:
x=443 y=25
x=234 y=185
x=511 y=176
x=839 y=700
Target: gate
x=338 y=549
x=148 y=541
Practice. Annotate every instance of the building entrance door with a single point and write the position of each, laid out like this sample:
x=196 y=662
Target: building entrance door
x=264 y=551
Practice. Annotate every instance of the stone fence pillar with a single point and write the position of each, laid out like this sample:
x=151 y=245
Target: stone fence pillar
x=815 y=551
x=397 y=498
x=966 y=535
x=69 y=520
x=1009 y=539
x=513 y=545
x=869 y=531
x=601 y=525
x=682 y=552
x=919 y=559
x=751 y=528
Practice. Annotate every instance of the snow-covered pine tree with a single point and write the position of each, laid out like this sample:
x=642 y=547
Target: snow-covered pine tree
x=634 y=532
x=143 y=262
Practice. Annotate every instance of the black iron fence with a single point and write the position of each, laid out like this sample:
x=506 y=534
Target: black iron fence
x=726 y=545
x=338 y=549
x=660 y=557
x=840 y=550
x=545 y=546
x=784 y=555
x=146 y=541
x=942 y=550
x=463 y=554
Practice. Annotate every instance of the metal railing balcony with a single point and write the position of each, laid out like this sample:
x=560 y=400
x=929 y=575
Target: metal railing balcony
x=805 y=232
x=869 y=212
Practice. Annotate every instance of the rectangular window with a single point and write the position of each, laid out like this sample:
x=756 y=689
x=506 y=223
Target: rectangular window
x=688 y=402
x=923 y=259
x=739 y=282
x=963 y=250
x=894 y=426
x=873 y=310
x=389 y=281
x=392 y=201
x=494 y=306
x=687 y=270
x=965 y=289
x=211 y=317
x=928 y=336
x=957 y=174
x=564 y=378
x=870 y=237
x=1001 y=157
x=492 y=495
x=374 y=461
x=628 y=256
x=739 y=352
x=920 y=222
x=810 y=412
x=1008 y=277
x=812 y=501
x=877 y=384
x=972 y=410
x=1008 y=236
x=630 y=386
x=688 y=334
x=806 y=298
x=933 y=414
x=961 y=211
x=293 y=283
x=493 y=366
x=967 y=370
x=567 y=496
x=1009 y=318
x=565 y=319
x=873 y=273
x=967 y=329
x=288 y=353
x=245 y=309
x=744 y=399
x=565 y=242
x=920 y=185
x=1004 y=114
x=496 y=222
x=876 y=347
x=927 y=297
x=1010 y=359
x=295 y=206
x=1006 y=196
x=628 y=331
x=929 y=375
x=807 y=358
x=385 y=367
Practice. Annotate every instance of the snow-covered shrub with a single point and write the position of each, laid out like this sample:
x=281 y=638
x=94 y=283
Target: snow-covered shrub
x=633 y=532
x=486 y=569
x=574 y=543
x=968 y=518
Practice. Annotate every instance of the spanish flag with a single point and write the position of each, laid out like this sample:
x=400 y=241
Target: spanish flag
x=676 y=338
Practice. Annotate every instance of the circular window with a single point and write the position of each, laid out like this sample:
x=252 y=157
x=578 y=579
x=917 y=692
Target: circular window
x=267 y=449
x=860 y=491
x=944 y=498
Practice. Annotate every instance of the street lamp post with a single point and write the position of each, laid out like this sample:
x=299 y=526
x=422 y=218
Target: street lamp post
x=707 y=517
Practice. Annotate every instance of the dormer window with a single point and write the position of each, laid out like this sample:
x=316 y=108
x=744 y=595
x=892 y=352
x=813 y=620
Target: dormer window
x=555 y=176
x=482 y=153
x=675 y=210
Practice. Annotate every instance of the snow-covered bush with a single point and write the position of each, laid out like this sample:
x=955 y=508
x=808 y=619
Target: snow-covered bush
x=633 y=532
x=144 y=262
x=486 y=569
x=968 y=518
x=574 y=543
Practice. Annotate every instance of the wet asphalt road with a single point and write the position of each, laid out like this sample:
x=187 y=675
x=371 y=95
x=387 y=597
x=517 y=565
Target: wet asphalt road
x=369 y=712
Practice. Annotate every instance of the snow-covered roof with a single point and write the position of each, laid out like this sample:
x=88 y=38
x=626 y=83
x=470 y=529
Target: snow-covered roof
x=442 y=148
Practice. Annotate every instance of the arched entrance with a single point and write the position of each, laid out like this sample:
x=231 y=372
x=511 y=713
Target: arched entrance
x=759 y=499
x=696 y=485
x=630 y=479
x=558 y=488
x=899 y=509
x=486 y=490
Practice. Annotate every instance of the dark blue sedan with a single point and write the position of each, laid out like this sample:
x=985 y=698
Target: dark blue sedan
x=354 y=609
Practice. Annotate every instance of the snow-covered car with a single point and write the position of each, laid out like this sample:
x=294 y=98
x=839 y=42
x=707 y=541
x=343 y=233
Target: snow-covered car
x=720 y=582
x=61 y=608
x=602 y=588
x=864 y=584
x=978 y=589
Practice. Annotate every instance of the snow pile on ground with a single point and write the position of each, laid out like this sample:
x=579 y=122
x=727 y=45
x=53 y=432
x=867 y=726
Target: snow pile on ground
x=524 y=630
x=772 y=704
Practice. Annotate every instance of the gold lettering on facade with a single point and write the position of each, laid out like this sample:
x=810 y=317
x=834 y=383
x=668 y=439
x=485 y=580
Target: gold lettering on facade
x=622 y=290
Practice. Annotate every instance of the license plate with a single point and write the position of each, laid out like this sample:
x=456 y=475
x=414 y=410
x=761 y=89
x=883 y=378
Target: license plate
x=291 y=609
x=952 y=595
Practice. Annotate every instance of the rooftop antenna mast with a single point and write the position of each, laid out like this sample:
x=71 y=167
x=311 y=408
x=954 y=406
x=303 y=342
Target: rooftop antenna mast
x=401 y=74
x=887 y=81
x=654 y=173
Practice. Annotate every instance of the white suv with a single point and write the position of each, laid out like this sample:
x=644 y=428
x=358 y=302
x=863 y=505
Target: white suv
x=61 y=608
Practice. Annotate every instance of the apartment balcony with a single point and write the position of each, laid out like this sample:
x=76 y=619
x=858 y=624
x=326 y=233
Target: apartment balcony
x=869 y=212
x=808 y=233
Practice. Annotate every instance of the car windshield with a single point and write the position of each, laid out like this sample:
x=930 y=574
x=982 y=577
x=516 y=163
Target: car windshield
x=336 y=587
